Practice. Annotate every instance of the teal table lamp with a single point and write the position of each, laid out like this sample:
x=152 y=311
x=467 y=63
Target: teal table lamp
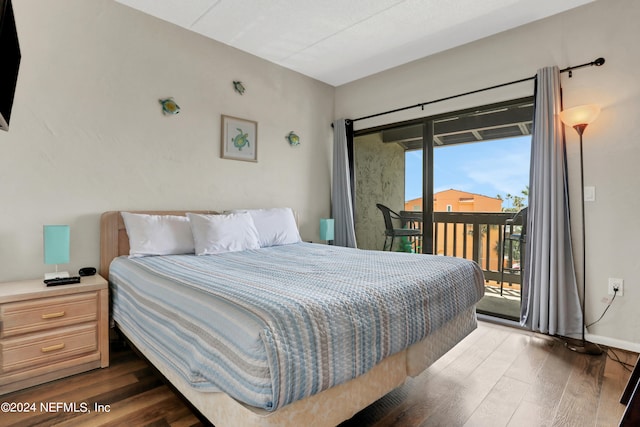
x=56 y=248
x=326 y=229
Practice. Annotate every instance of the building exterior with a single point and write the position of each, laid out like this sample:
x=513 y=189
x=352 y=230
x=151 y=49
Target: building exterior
x=457 y=201
x=461 y=201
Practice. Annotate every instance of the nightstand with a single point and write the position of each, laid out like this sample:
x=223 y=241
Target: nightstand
x=48 y=333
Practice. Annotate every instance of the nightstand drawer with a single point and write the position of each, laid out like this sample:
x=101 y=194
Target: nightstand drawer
x=44 y=348
x=46 y=313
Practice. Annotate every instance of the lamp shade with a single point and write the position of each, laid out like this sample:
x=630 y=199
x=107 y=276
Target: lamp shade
x=56 y=244
x=580 y=115
x=326 y=228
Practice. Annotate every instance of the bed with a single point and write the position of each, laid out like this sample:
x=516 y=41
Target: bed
x=310 y=381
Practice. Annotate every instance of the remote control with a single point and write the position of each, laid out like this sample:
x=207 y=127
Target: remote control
x=62 y=281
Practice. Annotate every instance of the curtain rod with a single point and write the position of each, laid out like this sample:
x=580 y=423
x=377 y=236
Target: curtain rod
x=598 y=62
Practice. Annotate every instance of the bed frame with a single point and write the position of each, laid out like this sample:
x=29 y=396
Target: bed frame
x=327 y=408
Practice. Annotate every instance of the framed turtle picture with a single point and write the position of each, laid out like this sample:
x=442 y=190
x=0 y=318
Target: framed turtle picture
x=239 y=139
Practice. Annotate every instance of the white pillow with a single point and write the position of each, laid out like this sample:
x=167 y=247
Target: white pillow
x=276 y=226
x=214 y=234
x=158 y=234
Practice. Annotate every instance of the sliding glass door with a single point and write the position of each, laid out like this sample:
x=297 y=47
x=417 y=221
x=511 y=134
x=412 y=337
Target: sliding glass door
x=391 y=175
x=458 y=178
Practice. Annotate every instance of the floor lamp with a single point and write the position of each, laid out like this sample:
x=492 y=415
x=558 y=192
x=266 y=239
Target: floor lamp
x=579 y=118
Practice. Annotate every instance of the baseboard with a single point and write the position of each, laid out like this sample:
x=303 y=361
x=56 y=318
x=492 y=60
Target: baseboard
x=598 y=339
x=613 y=342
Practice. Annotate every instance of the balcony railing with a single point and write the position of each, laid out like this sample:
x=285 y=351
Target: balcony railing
x=479 y=236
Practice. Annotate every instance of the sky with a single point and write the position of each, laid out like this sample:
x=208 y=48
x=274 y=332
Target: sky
x=490 y=168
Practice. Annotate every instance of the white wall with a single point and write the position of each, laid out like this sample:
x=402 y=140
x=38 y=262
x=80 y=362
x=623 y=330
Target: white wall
x=87 y=134
x=607 y=28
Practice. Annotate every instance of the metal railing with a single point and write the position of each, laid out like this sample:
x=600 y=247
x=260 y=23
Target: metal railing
x=479 y=236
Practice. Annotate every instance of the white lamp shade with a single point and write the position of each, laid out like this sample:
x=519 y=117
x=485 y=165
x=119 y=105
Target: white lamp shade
x=580 y=115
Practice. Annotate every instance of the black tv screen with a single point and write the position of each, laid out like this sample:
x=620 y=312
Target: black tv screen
x=9 y=61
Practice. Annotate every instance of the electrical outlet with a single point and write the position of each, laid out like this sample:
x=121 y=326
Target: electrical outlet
x=616 y=283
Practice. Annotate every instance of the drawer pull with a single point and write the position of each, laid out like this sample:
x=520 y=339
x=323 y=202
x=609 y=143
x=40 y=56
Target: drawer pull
x=53 y=315
x=52 y=348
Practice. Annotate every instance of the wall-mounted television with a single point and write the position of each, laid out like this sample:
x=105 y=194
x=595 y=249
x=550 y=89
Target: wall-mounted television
x=9 y=61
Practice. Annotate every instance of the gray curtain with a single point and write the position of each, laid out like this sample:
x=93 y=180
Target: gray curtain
x=550 y=302
x=341 y=197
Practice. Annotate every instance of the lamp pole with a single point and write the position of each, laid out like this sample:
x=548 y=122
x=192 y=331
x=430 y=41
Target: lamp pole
x=579 y=118
x=587 y=348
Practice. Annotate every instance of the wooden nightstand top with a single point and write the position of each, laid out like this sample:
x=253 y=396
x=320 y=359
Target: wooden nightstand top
x=28 y=289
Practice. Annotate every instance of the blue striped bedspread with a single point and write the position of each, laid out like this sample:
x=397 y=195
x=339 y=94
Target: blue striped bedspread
x=278 y=324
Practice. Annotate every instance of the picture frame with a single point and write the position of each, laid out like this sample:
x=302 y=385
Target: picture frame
x=238 y=139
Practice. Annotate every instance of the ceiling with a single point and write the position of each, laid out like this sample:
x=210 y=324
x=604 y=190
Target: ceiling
x=338 y=41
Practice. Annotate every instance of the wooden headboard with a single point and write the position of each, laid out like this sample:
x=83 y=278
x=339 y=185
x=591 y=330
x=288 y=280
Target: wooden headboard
x=114 y=240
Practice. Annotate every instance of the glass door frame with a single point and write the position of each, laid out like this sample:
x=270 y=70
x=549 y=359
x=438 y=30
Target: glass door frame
x=428 y=137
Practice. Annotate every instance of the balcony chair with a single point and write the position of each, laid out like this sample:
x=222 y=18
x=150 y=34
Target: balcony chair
x=509 y=237
x=413 y=234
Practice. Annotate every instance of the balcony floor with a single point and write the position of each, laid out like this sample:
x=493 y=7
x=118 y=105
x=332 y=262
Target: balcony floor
x=506 y=305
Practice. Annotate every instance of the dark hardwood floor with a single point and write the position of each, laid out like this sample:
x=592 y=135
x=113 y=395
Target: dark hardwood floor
x=497 y=376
